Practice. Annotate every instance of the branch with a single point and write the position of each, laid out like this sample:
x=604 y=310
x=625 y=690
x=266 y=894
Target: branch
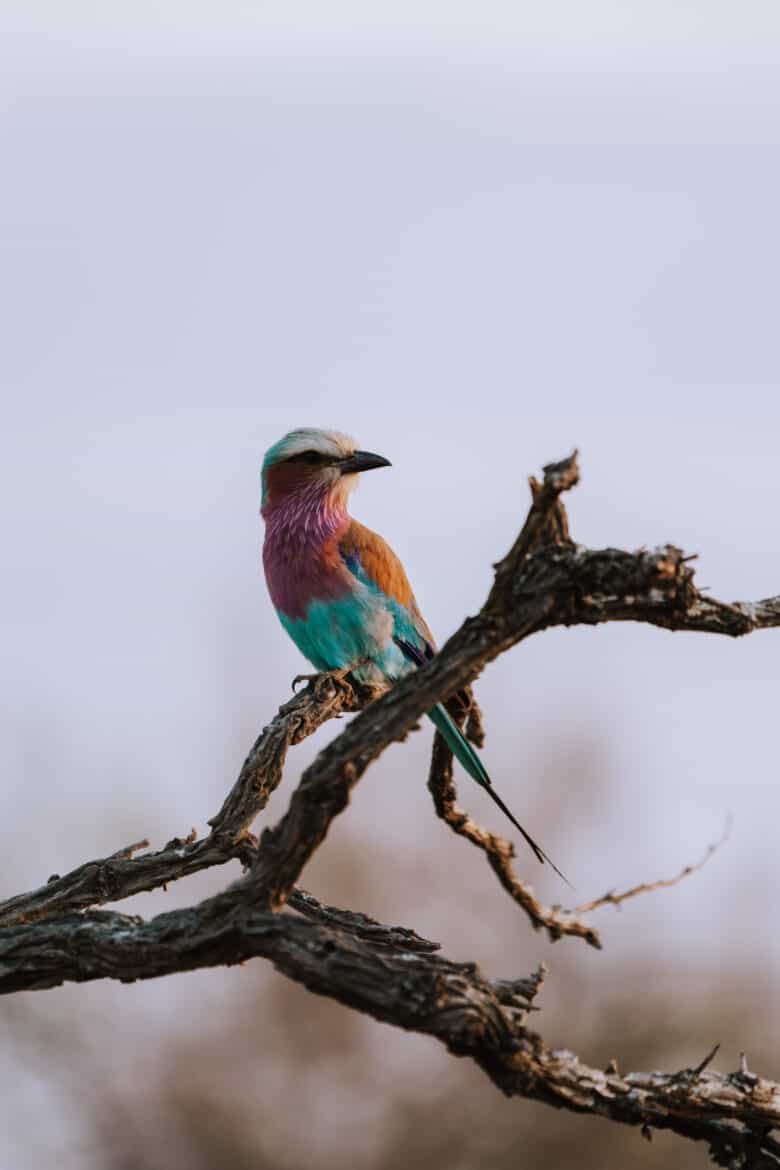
x=51 y=935
x=613 y=899
x=393 y=975
x=499 y=853
x=119 y=876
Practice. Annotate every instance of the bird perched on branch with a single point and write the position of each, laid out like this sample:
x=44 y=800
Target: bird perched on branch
x=339 y=590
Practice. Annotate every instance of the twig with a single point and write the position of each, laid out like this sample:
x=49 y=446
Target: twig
x=499 y=853
x=613 y=899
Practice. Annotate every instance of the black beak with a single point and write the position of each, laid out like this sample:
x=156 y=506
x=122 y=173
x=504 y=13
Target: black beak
x=362 y=461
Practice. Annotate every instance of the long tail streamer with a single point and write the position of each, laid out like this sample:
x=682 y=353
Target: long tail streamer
x=465 y=754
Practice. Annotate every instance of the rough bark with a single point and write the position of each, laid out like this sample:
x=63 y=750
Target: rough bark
x=54 y=934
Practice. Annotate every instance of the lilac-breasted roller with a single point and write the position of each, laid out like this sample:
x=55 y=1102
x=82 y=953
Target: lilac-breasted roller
x=339 y=590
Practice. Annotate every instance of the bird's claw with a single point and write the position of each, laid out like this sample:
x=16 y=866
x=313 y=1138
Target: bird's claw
x=317 y=681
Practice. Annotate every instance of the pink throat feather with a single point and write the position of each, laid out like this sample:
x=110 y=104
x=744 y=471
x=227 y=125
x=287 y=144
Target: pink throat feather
x=300 y=552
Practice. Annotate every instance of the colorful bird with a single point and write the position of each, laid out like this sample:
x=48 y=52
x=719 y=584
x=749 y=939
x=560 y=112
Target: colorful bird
x=339 y=590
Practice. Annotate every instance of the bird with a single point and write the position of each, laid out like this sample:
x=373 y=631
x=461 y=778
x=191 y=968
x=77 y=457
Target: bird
x=338 y=589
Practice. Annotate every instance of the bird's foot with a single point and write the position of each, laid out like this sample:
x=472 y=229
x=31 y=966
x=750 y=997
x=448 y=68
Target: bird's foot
x=307 y=678
x=317 y=682
x=322 y=686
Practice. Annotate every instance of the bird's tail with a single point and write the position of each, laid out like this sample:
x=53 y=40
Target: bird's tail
x=465 y=754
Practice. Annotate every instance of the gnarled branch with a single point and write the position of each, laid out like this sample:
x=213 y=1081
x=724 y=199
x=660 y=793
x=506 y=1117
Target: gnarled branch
x=54 y=934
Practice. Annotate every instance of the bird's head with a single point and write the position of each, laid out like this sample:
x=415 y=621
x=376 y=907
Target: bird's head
x=317 y=463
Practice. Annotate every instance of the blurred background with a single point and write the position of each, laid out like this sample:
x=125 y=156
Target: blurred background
x=474 y=236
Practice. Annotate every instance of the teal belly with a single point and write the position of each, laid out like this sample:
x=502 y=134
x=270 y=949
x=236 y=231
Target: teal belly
x=352 y=632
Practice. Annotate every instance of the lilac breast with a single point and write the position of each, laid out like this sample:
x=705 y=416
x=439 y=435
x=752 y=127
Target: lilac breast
x=300 y=554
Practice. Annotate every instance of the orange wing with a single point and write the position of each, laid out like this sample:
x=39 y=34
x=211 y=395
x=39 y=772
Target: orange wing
x=367 y=554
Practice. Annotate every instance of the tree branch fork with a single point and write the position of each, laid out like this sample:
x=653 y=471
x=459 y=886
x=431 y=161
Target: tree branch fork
x=56 y=933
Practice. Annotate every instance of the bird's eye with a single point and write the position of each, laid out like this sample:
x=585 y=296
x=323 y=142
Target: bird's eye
x=308 y=457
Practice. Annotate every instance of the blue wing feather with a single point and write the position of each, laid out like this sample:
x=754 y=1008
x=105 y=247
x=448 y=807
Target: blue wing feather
x=410 y=632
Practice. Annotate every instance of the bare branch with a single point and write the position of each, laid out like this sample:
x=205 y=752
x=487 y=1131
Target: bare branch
x=119 y=876
x=51 y=935
x=556 y=921
x=499 y=853
x=360 y=925
x=385 y=973
x=613 y=899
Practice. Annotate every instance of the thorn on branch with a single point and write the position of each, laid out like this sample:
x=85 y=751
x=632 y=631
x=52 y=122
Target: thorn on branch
x=708 y=1059
x=745 y=1076
x=697 y=1070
